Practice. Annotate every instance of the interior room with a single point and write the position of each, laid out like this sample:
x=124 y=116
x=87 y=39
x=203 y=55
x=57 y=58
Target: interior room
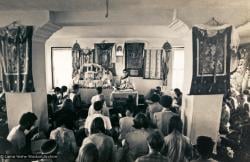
x=129 y=79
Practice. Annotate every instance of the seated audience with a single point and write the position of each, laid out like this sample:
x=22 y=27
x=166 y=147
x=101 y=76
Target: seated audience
x=162 y=119
x=205 y=147
x=98 y=105
x=105 y=144
x=155 y=106
x=126 y=123
x=155 y=143
x=136 y=140
x=88 y=153
x=65 y=139
x=177 y=146
x=20 y=141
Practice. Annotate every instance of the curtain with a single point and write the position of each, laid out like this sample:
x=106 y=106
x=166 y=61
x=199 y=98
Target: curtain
x=134 y=58
x=153 y=64
x=211 y=60
x=16 y=58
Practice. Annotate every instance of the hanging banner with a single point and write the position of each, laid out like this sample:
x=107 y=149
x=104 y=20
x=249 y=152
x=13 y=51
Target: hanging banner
x=211 y=61
x=134 y=58
x=16 y=58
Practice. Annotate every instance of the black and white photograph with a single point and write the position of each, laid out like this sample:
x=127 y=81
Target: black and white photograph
x=124 y=81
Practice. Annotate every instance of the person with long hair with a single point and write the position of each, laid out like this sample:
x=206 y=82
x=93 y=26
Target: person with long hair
x=88 y=153
x=105 y=144
x=177 y=146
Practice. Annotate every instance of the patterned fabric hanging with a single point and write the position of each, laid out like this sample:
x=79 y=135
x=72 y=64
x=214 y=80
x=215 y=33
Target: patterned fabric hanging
x=16 y=58
x=211 y=60
x=153 y=64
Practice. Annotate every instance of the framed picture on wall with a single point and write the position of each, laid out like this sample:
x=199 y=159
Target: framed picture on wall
x=119 y=50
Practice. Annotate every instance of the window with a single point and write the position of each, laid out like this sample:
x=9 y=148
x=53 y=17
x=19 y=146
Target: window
x=61 y=66
x=178 y=68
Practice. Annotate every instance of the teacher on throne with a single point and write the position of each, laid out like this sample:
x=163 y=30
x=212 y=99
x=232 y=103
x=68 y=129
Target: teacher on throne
x=126 y=82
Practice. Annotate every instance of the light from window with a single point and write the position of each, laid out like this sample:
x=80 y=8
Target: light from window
x=62 y=66
x=178 y=69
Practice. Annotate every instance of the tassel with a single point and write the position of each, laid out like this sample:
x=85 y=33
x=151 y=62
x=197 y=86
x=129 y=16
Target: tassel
x=107 y=8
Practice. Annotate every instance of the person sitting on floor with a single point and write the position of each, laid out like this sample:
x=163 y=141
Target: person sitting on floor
x=155 y=143
x=126 y=123
x=17 y=136
x=162 y=119
x=155 y=106
x=136 y=140
x=105 y=109
x=98 y=105
x=96 y=97
x=65 y=139
x=205 y=147
x=88 y=153
x=105 y=144
x=178 y=147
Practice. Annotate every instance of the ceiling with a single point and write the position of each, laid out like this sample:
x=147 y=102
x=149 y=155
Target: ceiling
x=129 y=16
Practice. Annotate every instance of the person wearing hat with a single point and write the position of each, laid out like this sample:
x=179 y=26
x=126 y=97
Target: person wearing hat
x=205 y=147
x=162 y=119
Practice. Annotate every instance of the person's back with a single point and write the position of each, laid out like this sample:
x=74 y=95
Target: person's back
x=137 y=143
x=162 y=120
x=137 y=139
x=65 y=139
x=177 y=145
x=155 y=143
x=155 y=106
x=104 y=144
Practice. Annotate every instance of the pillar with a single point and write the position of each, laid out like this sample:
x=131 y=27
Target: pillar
x=201 y=113
x=36 y=102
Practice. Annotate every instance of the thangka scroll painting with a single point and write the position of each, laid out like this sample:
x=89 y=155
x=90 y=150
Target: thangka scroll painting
x=104 y=56
x=153 y=64
x=16 y=58
x=211 y=61
x=134 y=59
